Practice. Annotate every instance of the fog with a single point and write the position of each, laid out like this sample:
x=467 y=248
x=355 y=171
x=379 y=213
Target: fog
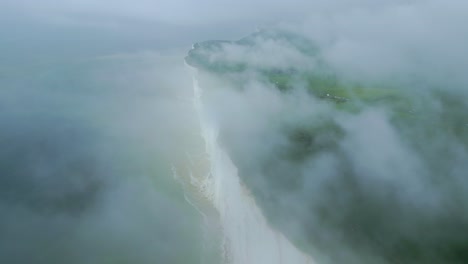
x=87 y=147
x=96 y=107
x=373 y=188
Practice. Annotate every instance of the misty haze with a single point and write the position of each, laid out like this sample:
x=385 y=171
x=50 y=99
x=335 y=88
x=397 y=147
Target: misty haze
x=223 y=132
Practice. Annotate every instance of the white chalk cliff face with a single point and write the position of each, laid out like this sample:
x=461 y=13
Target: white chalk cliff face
x=310 y=167
x=247 y=236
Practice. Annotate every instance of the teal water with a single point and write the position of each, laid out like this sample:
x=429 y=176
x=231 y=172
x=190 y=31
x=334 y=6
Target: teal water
x=91 y=123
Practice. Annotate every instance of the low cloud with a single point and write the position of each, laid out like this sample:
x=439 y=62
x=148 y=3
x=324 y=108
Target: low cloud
x=88 y=128
x=369 y=186
x=86 y=157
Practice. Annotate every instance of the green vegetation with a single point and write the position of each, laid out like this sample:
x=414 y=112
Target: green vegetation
x=320 y=82
x=357 y=212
